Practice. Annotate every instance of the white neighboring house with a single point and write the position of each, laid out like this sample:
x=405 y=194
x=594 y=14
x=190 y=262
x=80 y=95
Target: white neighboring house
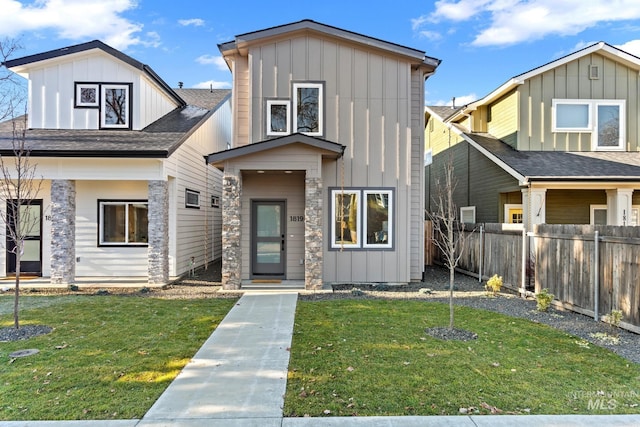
x=126 y=191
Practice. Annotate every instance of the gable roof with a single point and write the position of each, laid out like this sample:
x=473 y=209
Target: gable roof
x=158 y=140
x=602 y=48
x=441 y=112
x=306 y=25
x=334 y=149
x=19 y=65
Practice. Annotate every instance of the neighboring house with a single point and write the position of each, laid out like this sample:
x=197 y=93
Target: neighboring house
x=324 y=181
x=126 y=191
x=558 y=144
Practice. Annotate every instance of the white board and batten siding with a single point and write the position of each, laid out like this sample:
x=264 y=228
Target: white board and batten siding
x=197 y=232
x=51 y=92
x=370 y=97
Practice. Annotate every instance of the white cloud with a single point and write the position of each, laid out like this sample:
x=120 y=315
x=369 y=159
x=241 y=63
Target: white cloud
x=196 y=22
x=632 y=47
x=212 y=84
x=460 y=101
x=516 y=21
x=75 y=20
x=218 y=61
x=431 y=35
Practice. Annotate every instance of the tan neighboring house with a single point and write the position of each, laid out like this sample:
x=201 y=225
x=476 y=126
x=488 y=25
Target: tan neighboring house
x=126 y=191
x=324 y=179
x=558 y=144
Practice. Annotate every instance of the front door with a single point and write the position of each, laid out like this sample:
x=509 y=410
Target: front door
x=268 y=243
x=31 y=227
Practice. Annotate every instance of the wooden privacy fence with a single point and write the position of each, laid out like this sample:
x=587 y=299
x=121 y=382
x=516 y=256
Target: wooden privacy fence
x=589 y=269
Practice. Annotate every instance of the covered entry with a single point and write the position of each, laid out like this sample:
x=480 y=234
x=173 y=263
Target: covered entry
x=272 y=209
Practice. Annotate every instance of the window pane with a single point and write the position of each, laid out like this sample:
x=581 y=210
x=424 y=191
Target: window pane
x=31 y=250
x=113 y=217
x=346 y=220
x=308 y=109
x=268 y=252
x=600 y=217
x=377 y=218
x=572 y=116
x=278 y=118
x=115 y=106
x=138 y=223
x=268 y=221
x=608 y=125
x=29 y=220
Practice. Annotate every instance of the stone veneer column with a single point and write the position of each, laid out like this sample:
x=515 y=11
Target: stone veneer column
x=231 y=232
x=313 y=242
x=158 y=218
x=63 y=232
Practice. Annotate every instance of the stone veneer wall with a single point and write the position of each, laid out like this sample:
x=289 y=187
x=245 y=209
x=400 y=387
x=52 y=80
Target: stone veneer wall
x=158 y=216
x=63 y=232
x=313 y=242
x=231 y=232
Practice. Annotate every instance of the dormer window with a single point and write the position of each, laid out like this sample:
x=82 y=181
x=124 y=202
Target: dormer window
x=113 y=101
x=308 y=108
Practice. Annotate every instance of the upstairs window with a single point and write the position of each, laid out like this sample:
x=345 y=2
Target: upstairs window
x=604 y=119
x=308 y=108
x=278 y=117
x=115 y=108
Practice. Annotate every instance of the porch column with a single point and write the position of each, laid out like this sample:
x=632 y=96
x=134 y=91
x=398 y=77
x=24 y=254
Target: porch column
x=619 y=205
x=534 y=206
x=313 y=242
x=158 y=226
x=63 y=232
x=231 y=231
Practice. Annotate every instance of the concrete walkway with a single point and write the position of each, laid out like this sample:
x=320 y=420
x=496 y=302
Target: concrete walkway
x=238 y=379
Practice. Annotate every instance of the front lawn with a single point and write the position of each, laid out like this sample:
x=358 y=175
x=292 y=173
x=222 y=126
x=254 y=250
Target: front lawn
x=372 y=357
x=108 y=357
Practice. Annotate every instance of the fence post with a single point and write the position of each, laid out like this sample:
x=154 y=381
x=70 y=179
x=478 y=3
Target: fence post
x=596 y=283
x=480 y=243
x=523 y=282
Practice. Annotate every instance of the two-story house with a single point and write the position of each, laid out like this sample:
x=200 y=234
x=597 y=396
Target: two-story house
x=126 y=191
x=558 y=144
x=324 y=180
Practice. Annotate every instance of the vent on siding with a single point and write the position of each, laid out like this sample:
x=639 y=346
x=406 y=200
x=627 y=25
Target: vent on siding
x=594 y=72
x=468 y=214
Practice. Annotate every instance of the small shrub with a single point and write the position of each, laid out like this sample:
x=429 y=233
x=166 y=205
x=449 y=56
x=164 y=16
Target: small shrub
x=357 y=292
x=543 y=299
x=73 y=288
x=614 y=318
x=494 y=284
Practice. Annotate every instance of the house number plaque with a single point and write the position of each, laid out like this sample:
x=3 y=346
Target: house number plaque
x=296 y=218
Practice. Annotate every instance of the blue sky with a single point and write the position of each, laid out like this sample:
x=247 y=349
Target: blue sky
x=482 y=43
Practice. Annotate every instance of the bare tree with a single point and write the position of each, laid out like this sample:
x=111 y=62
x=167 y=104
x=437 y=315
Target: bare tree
x=19 y=185
x=448 y=234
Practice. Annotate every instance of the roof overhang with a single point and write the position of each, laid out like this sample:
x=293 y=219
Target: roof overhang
x=328 y=149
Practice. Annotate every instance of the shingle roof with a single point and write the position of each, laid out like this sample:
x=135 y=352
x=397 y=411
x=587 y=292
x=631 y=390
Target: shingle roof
x=562 y=165
x=444 y=112
x=203 y=98
x=158 y=140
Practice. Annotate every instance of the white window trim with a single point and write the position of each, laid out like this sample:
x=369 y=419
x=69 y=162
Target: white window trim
x=287 y=104
x=389 y=229
x=508 y=206
x=126 y=203
x=334 y=215
x=592 y=209
x=592 y=126
x=471 y=209
x=188 y=192
x=103 y=116
x=320 y=88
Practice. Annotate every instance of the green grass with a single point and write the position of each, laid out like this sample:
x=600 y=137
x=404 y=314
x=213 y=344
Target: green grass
x=109 y=357
x=372 y=357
